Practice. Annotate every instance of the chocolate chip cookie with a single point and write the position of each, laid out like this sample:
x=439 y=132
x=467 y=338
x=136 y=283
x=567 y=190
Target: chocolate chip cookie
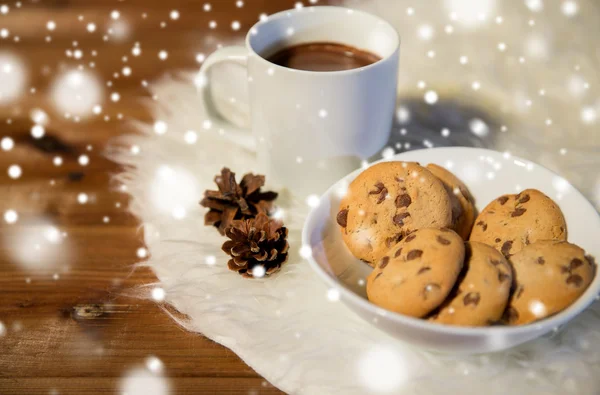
x=386 y=202
x=417 y=274
x=511 y=222
x=482 y=290
x=549 y=276
x=463 y=204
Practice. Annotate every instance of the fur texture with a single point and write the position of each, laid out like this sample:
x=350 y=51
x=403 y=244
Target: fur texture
x=285 y=327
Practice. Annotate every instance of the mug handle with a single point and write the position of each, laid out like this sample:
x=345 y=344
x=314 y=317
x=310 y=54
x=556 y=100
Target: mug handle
x=234 y=54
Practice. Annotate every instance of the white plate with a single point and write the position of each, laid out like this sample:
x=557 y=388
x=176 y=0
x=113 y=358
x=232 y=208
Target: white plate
x=488 y=174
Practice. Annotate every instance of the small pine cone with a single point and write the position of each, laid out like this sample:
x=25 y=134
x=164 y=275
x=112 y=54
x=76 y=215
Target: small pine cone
x=235 y=201
x=256 y=242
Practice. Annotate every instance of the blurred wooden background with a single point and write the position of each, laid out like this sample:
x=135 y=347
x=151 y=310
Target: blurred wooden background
x=70 y=329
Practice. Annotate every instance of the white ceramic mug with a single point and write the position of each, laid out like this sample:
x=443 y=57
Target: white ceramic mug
x=311 y=128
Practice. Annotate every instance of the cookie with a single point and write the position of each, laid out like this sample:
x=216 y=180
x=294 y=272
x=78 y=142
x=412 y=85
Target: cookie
x=386 y=202
x=511 y=222
x=418 y=273
x=549 y=277
x=482 y=291
x=463 y=203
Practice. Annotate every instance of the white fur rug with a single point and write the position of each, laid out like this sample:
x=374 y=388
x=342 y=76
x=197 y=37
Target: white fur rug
x=285 y=327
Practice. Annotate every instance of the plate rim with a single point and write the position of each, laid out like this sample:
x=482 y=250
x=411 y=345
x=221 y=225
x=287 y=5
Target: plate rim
x=348 y=296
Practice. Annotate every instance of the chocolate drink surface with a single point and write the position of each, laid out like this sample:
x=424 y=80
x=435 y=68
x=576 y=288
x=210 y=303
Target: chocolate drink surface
x=322 y=56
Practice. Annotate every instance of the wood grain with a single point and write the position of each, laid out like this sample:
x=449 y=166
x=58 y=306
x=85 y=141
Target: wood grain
x=68 y=324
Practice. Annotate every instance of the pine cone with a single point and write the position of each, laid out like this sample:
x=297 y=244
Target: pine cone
x=256 y=242
x=233 y=202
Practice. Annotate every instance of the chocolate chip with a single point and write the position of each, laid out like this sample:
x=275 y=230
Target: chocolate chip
x=381 y=190
x=390 y=241
x=378 y=188
x=494 y=262
x=506 y=248
x=575 y=279
x=575 y=263
x=482 y=224
x=471 y=298
x=518 y=212
x=397 y=254
x=502 y=276
x=521 y=288
x=565 y=269
x=498 y=240
x=510 y=314
x=443 y=241
x=342 y=218
x=403 y=201
x=424 y=269
x=410 y=237
x=413 y=254
x=377 y=276
x=384 y=262
x=527 y=242
x=398 y=219
x=524 y=199
x=540 y=260
x=503 y=199
x=399 y=179
x=382 y=196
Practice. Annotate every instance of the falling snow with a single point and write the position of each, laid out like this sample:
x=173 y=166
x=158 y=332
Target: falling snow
x=81 y=91
x=10 y=216
x=431 y=97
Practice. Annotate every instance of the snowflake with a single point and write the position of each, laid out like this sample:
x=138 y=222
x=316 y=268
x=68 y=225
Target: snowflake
x=569 y=8
x=431 y=97
x=82 y=198
x=10 y=216
x=83 y=160
x=76 y=92
x=210 y=260
x=14 y=171
x=333 y=295
x=534 y=5
x=7 y=143
x=382 y=370
x=158 y=294
x=425 y=32
x=312 y=201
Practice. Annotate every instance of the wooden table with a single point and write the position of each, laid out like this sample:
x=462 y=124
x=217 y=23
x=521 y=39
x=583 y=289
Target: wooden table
x=67 y=325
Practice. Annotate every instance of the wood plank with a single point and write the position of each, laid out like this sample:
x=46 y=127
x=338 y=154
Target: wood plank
x=81 y=332
x=86 y=385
